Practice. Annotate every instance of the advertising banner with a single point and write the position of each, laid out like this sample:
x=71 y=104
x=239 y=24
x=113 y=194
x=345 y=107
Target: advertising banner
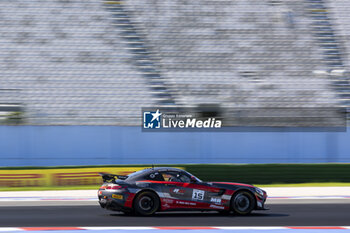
x=59 y=177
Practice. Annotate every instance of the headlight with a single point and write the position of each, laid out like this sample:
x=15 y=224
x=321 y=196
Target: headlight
x=259 y=191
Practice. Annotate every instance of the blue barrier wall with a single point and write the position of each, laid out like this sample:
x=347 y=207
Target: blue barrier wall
x=92 y=145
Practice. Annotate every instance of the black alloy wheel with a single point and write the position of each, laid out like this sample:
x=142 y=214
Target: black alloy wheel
x=146 y=203
x=243 y=203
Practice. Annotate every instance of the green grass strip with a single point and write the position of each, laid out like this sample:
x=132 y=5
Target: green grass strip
x=263 y=174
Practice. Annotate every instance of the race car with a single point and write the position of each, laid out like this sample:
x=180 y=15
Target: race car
x=161 y=189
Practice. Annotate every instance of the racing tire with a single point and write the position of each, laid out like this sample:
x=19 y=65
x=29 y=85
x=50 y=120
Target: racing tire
x=242 y=203
x=146 y=203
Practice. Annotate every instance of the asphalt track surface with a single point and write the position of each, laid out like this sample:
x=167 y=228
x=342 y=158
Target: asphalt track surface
x=279 y=215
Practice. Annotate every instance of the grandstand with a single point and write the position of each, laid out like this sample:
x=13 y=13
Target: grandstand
x=100 y=62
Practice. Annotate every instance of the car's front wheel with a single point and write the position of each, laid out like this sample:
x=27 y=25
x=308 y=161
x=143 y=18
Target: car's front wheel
x=242 y=203
x=146 y=203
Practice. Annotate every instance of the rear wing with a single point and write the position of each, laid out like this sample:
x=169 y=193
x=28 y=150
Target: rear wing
x=106 y=177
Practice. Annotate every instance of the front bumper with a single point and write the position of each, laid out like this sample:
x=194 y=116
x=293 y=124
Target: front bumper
x=260 y=202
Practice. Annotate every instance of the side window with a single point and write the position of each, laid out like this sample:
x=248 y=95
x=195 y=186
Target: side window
x=184 y=178
x=171 y=176
x=176 y=177
x=155 y=176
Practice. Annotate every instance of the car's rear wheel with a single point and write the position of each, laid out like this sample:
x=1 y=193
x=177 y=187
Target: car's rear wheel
x=146 y=203
x=243 y=203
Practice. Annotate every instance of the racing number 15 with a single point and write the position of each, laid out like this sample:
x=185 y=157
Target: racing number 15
x=197 y=194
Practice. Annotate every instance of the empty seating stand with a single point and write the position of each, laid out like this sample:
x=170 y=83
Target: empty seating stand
x=100 y=62
x=69 y=63
x=338 y=12
x=241 y=53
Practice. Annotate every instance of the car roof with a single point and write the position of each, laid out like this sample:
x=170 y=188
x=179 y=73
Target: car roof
x=147 y=171
x=160 y=169
x=166 y=169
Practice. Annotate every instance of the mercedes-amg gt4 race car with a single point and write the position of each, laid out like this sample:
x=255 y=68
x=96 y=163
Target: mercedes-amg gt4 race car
x=161 y=189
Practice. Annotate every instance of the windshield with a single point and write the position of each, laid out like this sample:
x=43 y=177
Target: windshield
x=198 y=180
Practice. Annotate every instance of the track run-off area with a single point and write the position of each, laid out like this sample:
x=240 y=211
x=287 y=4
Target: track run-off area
x=290 y=214
x=291 y=210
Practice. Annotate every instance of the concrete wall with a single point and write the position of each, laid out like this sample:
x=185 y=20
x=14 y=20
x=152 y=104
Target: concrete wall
x=92 y=145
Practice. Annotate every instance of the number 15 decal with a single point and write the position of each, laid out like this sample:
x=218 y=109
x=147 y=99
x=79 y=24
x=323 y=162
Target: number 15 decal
x=198 y=194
